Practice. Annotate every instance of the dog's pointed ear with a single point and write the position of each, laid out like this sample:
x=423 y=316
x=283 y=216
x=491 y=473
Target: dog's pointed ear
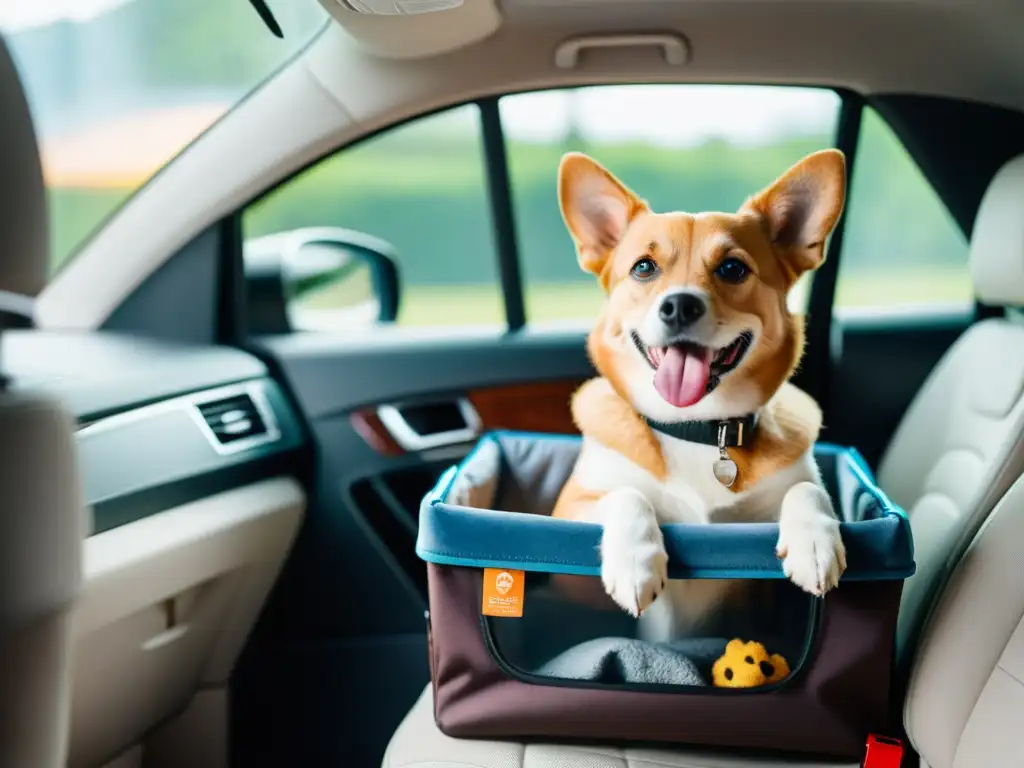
x=596 y=208
x=802 y=206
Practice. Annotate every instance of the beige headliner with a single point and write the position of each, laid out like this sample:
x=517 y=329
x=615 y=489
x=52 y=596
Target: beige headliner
x=357 y=79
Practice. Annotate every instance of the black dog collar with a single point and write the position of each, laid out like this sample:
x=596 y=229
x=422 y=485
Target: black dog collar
x=737 y=432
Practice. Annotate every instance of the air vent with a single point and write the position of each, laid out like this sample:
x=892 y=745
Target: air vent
x=237 y=421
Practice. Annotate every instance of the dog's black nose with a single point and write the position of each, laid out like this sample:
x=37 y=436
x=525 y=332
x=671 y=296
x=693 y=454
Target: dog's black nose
x=767 y=668
x=681 y=310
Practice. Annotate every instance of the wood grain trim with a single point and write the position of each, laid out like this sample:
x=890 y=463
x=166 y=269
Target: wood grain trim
x=542 y=406
x=368 y=426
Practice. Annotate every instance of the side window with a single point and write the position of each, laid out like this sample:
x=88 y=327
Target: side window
x=902 y=249
x=421 y=188
x=681 y=147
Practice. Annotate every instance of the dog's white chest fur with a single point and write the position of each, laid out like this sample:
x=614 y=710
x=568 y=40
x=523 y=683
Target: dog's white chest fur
x=689 y=493
x=635 y=503
x=691 y=482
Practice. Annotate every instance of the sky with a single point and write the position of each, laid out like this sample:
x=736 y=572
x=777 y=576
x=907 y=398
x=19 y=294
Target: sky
x=672 y=115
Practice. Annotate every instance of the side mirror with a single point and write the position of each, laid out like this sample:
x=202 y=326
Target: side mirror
x=319 y=278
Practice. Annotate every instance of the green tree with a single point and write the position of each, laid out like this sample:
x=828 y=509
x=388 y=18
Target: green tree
x=217 y=44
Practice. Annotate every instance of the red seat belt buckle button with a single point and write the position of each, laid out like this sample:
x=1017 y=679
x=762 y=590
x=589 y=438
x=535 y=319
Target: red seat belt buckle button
x=883 y=752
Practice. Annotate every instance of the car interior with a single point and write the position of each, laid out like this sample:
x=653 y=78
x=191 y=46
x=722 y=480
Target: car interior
x=224 y=408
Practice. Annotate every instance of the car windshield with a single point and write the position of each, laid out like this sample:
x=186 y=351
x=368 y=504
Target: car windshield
x=118 y=87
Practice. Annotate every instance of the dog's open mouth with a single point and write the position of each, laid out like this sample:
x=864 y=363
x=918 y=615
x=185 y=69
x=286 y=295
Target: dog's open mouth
x=685 y=372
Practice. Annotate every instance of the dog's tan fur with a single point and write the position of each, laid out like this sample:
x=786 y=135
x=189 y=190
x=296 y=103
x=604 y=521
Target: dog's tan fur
x=778 y=234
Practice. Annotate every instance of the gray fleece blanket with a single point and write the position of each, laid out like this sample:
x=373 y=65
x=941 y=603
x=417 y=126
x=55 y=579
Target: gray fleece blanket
x=626 y=660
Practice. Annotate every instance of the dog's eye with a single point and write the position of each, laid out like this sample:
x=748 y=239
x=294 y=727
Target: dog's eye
x=644 y=269
x=732 y=271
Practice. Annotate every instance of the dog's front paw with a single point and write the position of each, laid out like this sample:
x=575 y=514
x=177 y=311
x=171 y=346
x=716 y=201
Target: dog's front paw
x=634 y=564
x=810 y=546
x=813 y=558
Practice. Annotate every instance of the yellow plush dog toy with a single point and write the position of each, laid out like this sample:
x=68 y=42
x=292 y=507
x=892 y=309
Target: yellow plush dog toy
x=748 y=665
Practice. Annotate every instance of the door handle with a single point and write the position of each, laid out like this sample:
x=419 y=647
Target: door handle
x=431 y=424
x=166 y=637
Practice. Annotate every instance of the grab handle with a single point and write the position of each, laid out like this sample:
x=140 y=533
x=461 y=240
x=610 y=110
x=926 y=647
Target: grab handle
x=675 y=48
x=166 y=637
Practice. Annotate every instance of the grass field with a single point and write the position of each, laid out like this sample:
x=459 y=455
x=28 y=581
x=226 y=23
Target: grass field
x=426 y=305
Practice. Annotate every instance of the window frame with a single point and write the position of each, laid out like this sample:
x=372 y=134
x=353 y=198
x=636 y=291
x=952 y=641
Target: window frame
x=814 y=373
x=503 y=214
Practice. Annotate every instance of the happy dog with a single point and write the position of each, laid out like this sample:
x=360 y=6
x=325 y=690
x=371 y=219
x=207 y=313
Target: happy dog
x=693 y=419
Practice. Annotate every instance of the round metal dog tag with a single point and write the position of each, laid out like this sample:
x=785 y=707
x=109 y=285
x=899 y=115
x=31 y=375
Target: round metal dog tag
x=725 y=471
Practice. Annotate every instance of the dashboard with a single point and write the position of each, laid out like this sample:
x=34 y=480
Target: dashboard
x=160 y=424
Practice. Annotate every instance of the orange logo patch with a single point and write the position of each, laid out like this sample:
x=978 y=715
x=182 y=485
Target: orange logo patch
x=503 y=592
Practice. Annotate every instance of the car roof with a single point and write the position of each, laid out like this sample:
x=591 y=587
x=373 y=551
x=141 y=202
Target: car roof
x=967 y=49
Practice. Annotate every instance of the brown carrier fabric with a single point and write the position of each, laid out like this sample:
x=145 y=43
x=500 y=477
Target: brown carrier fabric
x=827 y=707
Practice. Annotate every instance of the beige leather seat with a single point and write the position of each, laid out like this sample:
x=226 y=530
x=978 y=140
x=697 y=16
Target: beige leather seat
x=41 y=511
x=954 y=455
x=958 y=447
x=965 y=706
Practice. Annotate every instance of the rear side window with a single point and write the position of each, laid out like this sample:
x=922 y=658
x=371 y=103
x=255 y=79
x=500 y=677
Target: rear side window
x=422 y=187
x=902 y=250
x=681 y=147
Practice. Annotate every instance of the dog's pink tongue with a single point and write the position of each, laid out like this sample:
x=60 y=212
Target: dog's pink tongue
x=682 y=376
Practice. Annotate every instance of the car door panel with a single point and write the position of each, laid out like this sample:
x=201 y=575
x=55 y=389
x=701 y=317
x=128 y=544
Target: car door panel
x=370 y=484
x=524 y=407
x=345 y=630
x=331 y=374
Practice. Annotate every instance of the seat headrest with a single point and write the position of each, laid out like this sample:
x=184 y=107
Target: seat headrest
x=24 y=227
x=997 y=245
